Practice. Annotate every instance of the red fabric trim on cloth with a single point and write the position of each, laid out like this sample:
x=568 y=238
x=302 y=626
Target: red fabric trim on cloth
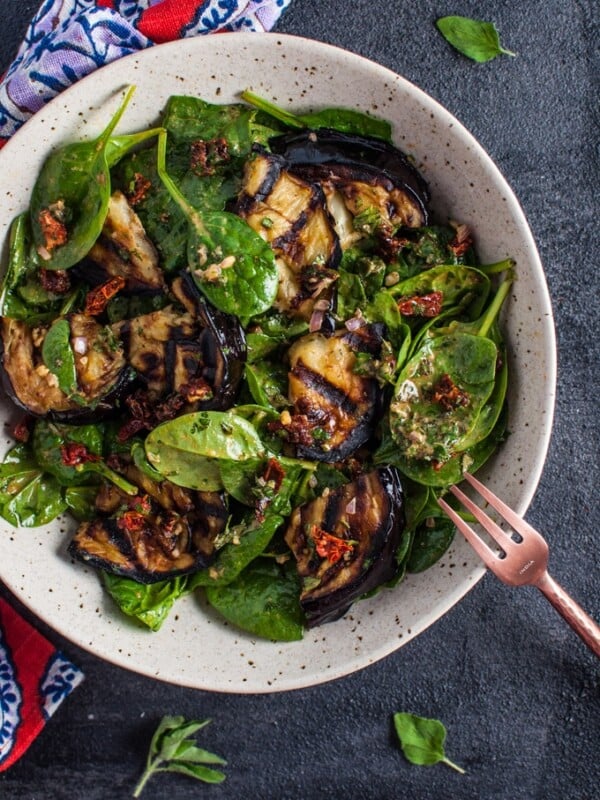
x=106 y=4
x=30 y=652
x=164 y=21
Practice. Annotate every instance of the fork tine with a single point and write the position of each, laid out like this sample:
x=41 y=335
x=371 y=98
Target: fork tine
x=514 y=520
x=485 y=553
x=494 y=530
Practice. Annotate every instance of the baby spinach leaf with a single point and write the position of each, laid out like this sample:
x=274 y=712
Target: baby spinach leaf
x=38 y=502
x=459 y=286
x=267 y=383
x=473 y=38
x=118 y=146
x=346 y=120
x=16 y=269
x=80 y=501
x=431 y=540
x=70 y=198
x=451 y=471
x=189 y=119
x=148 y=603
x=172 y=750
x=187 y=450
x=230 y=263
x=440 y=394
x=263 y=600
x=49 y=437
x=234 y=557
x=58 y=356
x=422 y=740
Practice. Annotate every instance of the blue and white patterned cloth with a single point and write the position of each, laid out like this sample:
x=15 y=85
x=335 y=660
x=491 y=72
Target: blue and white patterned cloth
x=68 y=39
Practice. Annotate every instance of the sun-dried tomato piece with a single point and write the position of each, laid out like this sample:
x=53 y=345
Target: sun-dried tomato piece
x=462 y=240
x=206 y=154
x=97 y=299
x=138 y=189
x=146 y=412
x=274 y=472
x=294 y=428
x=196 y=389
x=56 y=281
x=21 y=430
x=268 y=484
x=53 y=228
x=74 y=453
x=329 y=546
x=141 y=503
x=424 y=305
x=131 y=521
x=448 y=394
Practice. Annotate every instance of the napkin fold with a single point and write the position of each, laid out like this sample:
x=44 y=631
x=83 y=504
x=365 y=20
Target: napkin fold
x=34 y=680
x=66 y=40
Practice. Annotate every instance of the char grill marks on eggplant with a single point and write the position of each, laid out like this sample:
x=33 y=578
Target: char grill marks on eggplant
x=345 y=542
x=162 y=532
x=100 y=367
x=197 y=353
x=291 y=215
x=124 y=250
x=334 y=407
x=358 y=174
x=222 y=344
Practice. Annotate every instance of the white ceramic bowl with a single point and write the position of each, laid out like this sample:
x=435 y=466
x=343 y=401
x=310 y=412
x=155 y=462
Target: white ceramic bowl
x=194 y=647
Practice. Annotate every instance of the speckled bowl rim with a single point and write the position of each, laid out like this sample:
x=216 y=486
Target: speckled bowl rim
x=194 y=648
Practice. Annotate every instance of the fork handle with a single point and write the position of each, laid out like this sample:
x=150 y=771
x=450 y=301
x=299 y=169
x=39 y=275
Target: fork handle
x=583 y=625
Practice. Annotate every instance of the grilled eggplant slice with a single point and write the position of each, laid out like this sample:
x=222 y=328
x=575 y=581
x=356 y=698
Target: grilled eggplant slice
x=163 y=532
x=124 y=250
x=358 y=174
x=345 y=543
x=334 y=407
x=222 y=344
x=291 y=215
x=101 y=371
x=162 y=347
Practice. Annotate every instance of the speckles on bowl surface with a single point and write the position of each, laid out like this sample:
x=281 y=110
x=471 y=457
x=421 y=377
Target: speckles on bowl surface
x=195 y=648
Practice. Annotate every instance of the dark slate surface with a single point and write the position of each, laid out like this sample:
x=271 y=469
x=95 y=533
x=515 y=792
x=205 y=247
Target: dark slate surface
x=515 y=687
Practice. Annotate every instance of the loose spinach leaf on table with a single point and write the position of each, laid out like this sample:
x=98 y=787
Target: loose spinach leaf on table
x=422 y=740
x=473 y=38
x=173 y=750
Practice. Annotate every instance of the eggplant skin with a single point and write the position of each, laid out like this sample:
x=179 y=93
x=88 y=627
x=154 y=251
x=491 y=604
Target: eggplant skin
x=364 y=171
x=102 y=373
x=164 y=532
x=123 y=249
x=329 y=148
x=222 y=344
x=368 y=514
x=335 y=405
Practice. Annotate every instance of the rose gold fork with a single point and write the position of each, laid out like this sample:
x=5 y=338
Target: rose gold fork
x=522 y=560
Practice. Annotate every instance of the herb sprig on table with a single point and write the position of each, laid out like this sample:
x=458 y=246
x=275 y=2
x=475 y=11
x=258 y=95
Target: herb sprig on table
x=172 y=750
